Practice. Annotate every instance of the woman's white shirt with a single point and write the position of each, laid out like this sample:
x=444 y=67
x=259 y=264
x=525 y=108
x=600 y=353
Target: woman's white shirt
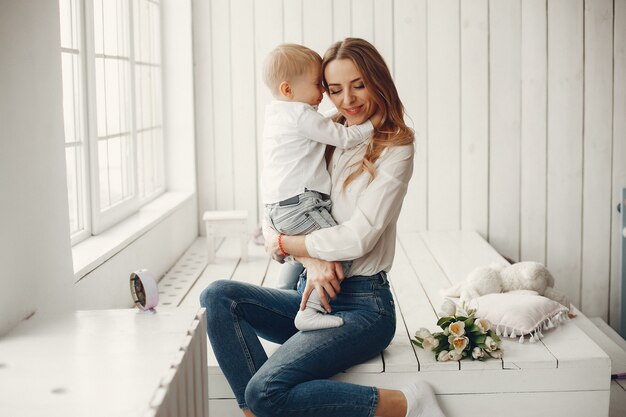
x=367 y=213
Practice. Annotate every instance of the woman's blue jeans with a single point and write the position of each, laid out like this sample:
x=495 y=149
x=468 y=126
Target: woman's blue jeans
x=293 y=381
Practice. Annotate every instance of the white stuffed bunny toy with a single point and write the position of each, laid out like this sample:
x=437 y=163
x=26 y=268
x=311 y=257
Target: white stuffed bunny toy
x=531 y=276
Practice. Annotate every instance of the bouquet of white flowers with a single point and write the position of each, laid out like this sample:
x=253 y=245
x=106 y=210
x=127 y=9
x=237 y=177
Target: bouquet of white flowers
x=463 y=336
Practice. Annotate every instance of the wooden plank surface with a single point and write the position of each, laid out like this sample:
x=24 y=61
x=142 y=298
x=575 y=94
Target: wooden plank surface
x=475 y=115
x=410 y=46
x=203 y=104
x=222 y=103
x=363 y=19
x=267 y=35
x=383 y=31
x=243 y=111
x=292 y=21
x=533 y=131
x=317 y=26
x=598 y=105
x=412 y=296
x=504 y=139
x=459 y=252
x=443 y=60
x=565 y=144
x=616 y=352
x=342 y=19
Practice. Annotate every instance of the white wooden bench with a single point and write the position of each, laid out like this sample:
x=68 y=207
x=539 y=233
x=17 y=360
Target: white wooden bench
x=564 y=374
x=106 y=363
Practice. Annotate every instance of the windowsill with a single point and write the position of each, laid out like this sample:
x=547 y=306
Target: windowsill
x=95 y=250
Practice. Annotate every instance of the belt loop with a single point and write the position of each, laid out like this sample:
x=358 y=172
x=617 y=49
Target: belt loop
x=383 y=277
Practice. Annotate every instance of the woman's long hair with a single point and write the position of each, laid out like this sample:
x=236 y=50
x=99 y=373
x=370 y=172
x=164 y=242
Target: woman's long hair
x=377 y=79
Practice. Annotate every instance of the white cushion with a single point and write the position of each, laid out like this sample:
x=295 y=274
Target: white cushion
x=515 y=314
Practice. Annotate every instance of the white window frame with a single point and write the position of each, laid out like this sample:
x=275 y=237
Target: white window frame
x=83 y=172
x=97 y=220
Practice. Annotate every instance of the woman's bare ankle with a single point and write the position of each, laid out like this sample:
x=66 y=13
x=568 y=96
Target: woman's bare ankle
x=391 y=403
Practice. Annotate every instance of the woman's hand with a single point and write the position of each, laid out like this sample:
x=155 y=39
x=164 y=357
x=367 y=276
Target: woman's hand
x=324 y=277
x=271 y=243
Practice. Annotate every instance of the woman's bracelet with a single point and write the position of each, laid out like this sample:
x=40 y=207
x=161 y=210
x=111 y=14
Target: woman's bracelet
x=280 y=245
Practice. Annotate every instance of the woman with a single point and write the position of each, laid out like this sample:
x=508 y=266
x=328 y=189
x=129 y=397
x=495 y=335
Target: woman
x=369 y=185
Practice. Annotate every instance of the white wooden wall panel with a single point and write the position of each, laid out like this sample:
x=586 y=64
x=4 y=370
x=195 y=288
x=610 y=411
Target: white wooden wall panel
x=565 y=127
x=533 y=130
x=363 y=19
x=598 y=105
x=292 y=21
x=411 y=80
x=475 y=116
x=504 y=161
x=342 y=19
x=243 y=109
x=443 y=115
x=203 y=101
x=383 y=30
x=519 y=110
x=619 y=155
x=222 y=104
x=268 y=33
x=318 y=26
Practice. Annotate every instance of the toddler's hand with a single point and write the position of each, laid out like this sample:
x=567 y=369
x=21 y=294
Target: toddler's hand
x=271 y=243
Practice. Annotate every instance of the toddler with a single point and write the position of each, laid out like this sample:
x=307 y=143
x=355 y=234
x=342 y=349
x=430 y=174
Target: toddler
x=295 y=181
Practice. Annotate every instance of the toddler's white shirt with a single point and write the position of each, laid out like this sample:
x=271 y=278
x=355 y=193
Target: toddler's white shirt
x=294 y=141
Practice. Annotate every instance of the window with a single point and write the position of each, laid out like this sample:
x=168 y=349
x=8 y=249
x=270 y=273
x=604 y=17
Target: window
x=112 y=109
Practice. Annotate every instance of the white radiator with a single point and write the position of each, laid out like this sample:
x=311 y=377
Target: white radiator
x=184 y=391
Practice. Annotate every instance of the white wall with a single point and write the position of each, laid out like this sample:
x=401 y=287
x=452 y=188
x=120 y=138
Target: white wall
x=36 y=266
x=178 y=95
x=518 y=107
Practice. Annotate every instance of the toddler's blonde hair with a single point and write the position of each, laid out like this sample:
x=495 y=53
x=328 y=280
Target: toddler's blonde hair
x=286 y=62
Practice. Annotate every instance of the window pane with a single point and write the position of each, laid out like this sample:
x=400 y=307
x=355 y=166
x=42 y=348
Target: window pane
x=72 y=189
x=69 y=95
x=157 y=135
x=65 y=14
x=113 y=99
x=147 y=164
x=101 y=97
x=123 y=40
x=125 y=94
x=155 y=35
x=140 y=174
x=103 y=174
x=115 y=170
x=110 y=24
x=127 y=166
x=79 y=99
x=157 y=95
x=98 y=30
x=151 y=162
x=143 y=96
